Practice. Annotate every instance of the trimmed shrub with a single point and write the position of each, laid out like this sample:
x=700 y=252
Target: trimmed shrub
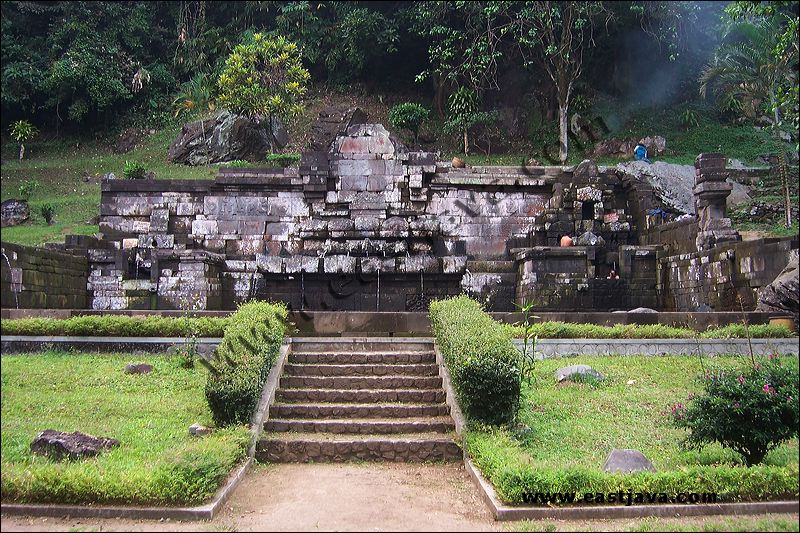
x=480 y=358
x=117 y=325
x=751 y=412
x=248 y=350
x=566 y=330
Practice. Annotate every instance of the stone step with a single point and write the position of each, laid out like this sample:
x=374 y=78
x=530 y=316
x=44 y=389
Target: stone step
x=361 y=370
x=360 y=344
x=354 y=410
x=369 y=358
x=361 y=382
x=442 y=424
x=302 y=448
x=361 y=395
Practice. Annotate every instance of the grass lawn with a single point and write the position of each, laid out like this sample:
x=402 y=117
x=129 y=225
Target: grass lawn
x=565 y=432
x=157 y=460
x=60 y=166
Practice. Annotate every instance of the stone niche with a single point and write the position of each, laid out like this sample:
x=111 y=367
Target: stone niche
x=574 y=278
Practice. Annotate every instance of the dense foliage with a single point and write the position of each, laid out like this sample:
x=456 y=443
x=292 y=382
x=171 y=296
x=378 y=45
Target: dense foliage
x=480 y=357
x=751 y=412
x=263 y=78
x=108 y=64
x=249 y=347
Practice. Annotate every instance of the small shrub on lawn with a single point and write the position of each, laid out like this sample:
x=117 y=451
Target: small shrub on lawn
x=134 y=170
x=282 y=160
x=751 y=412
x=117 y=325
x=480 y=357
x=248 y=350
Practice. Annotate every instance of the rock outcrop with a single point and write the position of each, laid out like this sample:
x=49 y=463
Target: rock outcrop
x=228 y=137
x=14 y=212
x=59 y=445
x=781 y=296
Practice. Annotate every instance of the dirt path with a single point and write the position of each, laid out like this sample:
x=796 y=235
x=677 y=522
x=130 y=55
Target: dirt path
x=323 y=497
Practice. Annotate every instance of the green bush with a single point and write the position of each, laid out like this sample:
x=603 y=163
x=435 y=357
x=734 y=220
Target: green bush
x=134 y=170
x=117 y=325
x=480 y=357
x=565 y=330
x=752 y=412
x=755 y=331
x=282 y=160
x=408 y=116
x=48 y=213
x=248 y=350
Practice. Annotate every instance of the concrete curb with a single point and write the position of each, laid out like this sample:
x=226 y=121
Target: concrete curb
x=505 y=512
x=544 y=347
x=201 y=512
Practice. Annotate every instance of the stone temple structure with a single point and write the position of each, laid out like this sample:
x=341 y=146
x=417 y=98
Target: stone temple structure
x=368 y=225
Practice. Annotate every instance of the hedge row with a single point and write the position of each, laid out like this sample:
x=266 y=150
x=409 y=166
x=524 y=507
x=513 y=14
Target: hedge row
x=158 y=326
x=249 y=348
x=118 y=326
x=565 y=330
x=480 y=357
x=513 y=475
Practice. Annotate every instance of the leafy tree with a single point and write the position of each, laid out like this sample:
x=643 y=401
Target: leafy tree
x=468 y=41
x=554 y=36
x=343 y=37
x=408 y=116
x=465 y=114
x=23 y=131
x=755 y=70
x=264 y=78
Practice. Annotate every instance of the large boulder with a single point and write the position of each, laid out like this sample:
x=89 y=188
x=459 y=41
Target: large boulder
x=656 y=145
x=626 y=461
x=59 y=445
x=781 y=296
x=672 y=184
x=228 y=137
x=14 y=212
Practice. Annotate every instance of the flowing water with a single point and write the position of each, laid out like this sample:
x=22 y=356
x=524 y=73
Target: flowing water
x=378 y=292
x=10 y=283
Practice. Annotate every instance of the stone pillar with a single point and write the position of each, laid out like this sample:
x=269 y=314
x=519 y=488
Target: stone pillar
x=710 y=192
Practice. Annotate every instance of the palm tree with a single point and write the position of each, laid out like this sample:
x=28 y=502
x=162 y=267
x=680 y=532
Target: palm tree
x=747 y=72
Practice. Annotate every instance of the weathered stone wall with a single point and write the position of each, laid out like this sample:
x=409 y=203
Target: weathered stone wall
x=339 y=219
x=36 y=278
x=675 y=237
x=717 y=279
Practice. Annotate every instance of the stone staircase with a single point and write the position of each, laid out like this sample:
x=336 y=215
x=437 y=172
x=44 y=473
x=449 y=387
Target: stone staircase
x=369 y=399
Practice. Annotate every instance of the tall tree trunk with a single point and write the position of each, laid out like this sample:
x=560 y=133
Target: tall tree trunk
x=787 y=198
x=562 y=131
x=21 y=151
x=466 y=143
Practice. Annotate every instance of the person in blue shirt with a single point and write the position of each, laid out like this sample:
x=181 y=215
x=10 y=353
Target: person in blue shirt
x=640 y=153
